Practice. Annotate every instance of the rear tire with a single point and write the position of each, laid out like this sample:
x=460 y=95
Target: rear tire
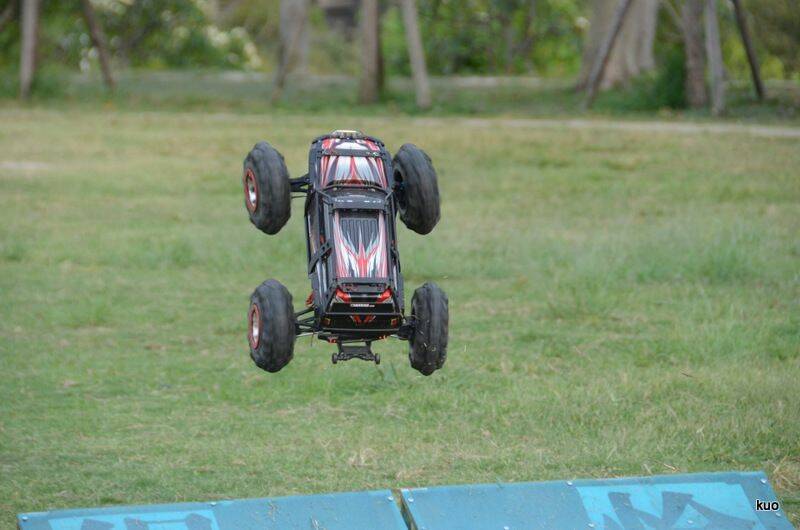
x=271 y=326
x=418 y=192
x=267 y=191
x=428 y=343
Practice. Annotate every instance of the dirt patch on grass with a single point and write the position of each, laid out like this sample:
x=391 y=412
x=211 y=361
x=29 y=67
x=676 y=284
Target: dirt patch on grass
x=25 y=166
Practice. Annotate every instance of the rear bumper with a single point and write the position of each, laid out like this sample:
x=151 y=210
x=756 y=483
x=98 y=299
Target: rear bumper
x=375 y=321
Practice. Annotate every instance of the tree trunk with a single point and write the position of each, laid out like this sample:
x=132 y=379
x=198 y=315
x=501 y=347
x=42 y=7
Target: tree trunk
x=755 y=72
x=368 y=87
x=294 y=35
x=416 y=54
x=524 y=47
x=99 y=41
x=646 y=15
x=294 y=20
x=714 y=52
x=8 y=14
x=604 y=52
x=508 y=55
x=381 y=63
x=691 y=16
x=632 y=54
x=27 y=59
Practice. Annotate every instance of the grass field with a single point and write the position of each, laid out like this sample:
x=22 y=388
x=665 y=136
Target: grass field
x=622 y=303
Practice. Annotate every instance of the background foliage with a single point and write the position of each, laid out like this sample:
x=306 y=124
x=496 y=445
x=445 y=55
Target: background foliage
x=141 y=33
x=544 y=37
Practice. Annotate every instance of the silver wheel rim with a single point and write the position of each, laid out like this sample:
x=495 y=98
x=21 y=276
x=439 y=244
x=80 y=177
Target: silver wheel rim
x=251 y=191
x=255 y=326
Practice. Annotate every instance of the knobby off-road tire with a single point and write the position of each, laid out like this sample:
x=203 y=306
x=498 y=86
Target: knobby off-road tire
x=271 y=326
x=266 y=188
x=418 y=193
x=428 y=343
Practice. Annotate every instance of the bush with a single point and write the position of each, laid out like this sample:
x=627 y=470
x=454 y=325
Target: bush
x=664 y=88
x=669 y=87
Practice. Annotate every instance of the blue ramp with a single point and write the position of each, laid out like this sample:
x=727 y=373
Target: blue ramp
x=338 y=511
x=712 y=501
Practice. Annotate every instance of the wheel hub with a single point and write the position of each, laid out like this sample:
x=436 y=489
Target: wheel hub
x=250 y=190
x=254 y=319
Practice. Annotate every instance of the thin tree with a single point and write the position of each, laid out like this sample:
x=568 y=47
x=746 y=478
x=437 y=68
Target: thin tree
x=755 y=72
x=99 y=41
x=715 y=64
x=632 y=54
x=294 y=19
x=416 y=54
x=7 y=15
x=692 y=27
x=370 y=60
x=604 y=52
x=381 y=61
x=27 y=59
x=523 y=47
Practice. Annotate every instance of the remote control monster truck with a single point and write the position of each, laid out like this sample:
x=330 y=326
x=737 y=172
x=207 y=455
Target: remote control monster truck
x=353 y=191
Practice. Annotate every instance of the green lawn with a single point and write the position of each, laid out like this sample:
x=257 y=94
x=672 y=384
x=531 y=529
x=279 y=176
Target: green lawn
x=622 y=303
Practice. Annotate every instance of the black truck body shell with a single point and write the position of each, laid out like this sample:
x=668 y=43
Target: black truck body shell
x=353 y=262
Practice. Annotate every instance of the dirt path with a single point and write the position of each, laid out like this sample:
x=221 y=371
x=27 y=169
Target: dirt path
x=770 y=131
x=600 y=124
